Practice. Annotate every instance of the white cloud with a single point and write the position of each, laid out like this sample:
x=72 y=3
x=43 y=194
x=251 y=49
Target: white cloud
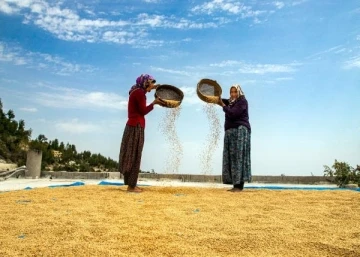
x=228 y=68
x=6 y=8
x=190 y=95
x=121 y=37
x=189 y=73
x=329 y=50
x=79 y=126
x=177 y=72
x=284 y=79
x=352 y=63
x=170 y=22
x=249 y=81
x=243 y=67
x=11 y=55
x=340 y=50
x=227 y=63
x=60 y=97
x=41 y=61
x=151 y=20
x=230 y=7
x=266 y=68
x=67 y=24
x=12 y=81
x=29 y=109
x=114 y=13
x=279 y=5
x=221 y=5
x=88 y=10
x=358 y=38
x=294 y=3
x=76 y=127
x=344 y=52
x=59 y=66
x=151 y=1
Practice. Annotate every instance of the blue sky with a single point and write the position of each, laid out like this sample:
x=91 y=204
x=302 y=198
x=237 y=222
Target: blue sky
x=66 y=67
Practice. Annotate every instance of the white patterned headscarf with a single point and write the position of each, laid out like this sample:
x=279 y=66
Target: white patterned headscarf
x=240 y=93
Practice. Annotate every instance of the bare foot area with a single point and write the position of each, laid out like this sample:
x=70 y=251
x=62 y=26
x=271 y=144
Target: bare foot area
x=234 y=189
x=134 y=190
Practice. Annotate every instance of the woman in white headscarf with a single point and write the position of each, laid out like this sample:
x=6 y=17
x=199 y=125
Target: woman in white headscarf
x=237 y=142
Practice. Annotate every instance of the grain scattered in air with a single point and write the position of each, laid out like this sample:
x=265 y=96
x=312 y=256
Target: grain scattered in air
x=168 y=128
x=212 y=139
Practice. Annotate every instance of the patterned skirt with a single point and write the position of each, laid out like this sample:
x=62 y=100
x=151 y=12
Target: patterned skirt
x=131 y=148
x=236 y=156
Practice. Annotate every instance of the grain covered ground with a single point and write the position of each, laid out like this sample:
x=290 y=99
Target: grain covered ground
x=169 y=221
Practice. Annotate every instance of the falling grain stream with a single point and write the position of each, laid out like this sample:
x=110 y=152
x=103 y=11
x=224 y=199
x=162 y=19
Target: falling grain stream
x=212 y=139
x=168 y=128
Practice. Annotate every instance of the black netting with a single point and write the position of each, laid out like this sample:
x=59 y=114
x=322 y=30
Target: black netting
x=169 y=93
x=208 y=89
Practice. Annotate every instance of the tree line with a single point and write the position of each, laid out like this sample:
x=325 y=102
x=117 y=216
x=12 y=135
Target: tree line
x=15 y=141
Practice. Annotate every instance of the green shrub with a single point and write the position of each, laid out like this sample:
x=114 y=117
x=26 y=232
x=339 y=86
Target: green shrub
x=342 y=173
x=70 y=168
x=84 y=167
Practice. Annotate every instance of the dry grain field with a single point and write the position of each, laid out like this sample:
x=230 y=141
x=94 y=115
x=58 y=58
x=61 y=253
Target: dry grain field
x=179 y=221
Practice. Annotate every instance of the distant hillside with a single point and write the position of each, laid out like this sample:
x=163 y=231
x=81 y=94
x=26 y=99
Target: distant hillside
x=15 y=140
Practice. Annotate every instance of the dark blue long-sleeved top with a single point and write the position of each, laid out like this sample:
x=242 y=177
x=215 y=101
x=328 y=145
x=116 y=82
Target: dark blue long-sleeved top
x=236 y=114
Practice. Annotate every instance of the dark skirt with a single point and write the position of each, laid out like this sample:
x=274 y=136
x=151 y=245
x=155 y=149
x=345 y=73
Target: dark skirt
x=131 y=148
x=236 y=156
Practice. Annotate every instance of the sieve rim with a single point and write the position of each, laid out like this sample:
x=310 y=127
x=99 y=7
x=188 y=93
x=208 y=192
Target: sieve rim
x=212 y=82
x=172 y=88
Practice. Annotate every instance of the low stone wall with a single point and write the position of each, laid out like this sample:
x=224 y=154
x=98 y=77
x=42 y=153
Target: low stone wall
x=183 y=177
x=256 y=179
x=75 y=175
x=292 y=179
x=188 y=177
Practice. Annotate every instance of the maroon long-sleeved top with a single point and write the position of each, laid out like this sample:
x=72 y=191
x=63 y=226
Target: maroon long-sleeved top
x=137 y=108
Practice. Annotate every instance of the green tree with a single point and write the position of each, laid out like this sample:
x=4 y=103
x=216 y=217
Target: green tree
x=86 y=155
x=61 y=147
x=55 y=144
x=342 y=173
x=13 y=137
x=42 y=138
x=10 y=114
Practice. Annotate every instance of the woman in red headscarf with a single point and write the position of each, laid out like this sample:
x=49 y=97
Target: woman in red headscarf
x=133 y=138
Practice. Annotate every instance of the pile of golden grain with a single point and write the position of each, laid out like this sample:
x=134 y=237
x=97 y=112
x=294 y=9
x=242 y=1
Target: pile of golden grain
x=169 y=221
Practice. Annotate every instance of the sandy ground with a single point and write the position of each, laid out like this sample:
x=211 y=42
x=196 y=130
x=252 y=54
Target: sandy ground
x=172 y=220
